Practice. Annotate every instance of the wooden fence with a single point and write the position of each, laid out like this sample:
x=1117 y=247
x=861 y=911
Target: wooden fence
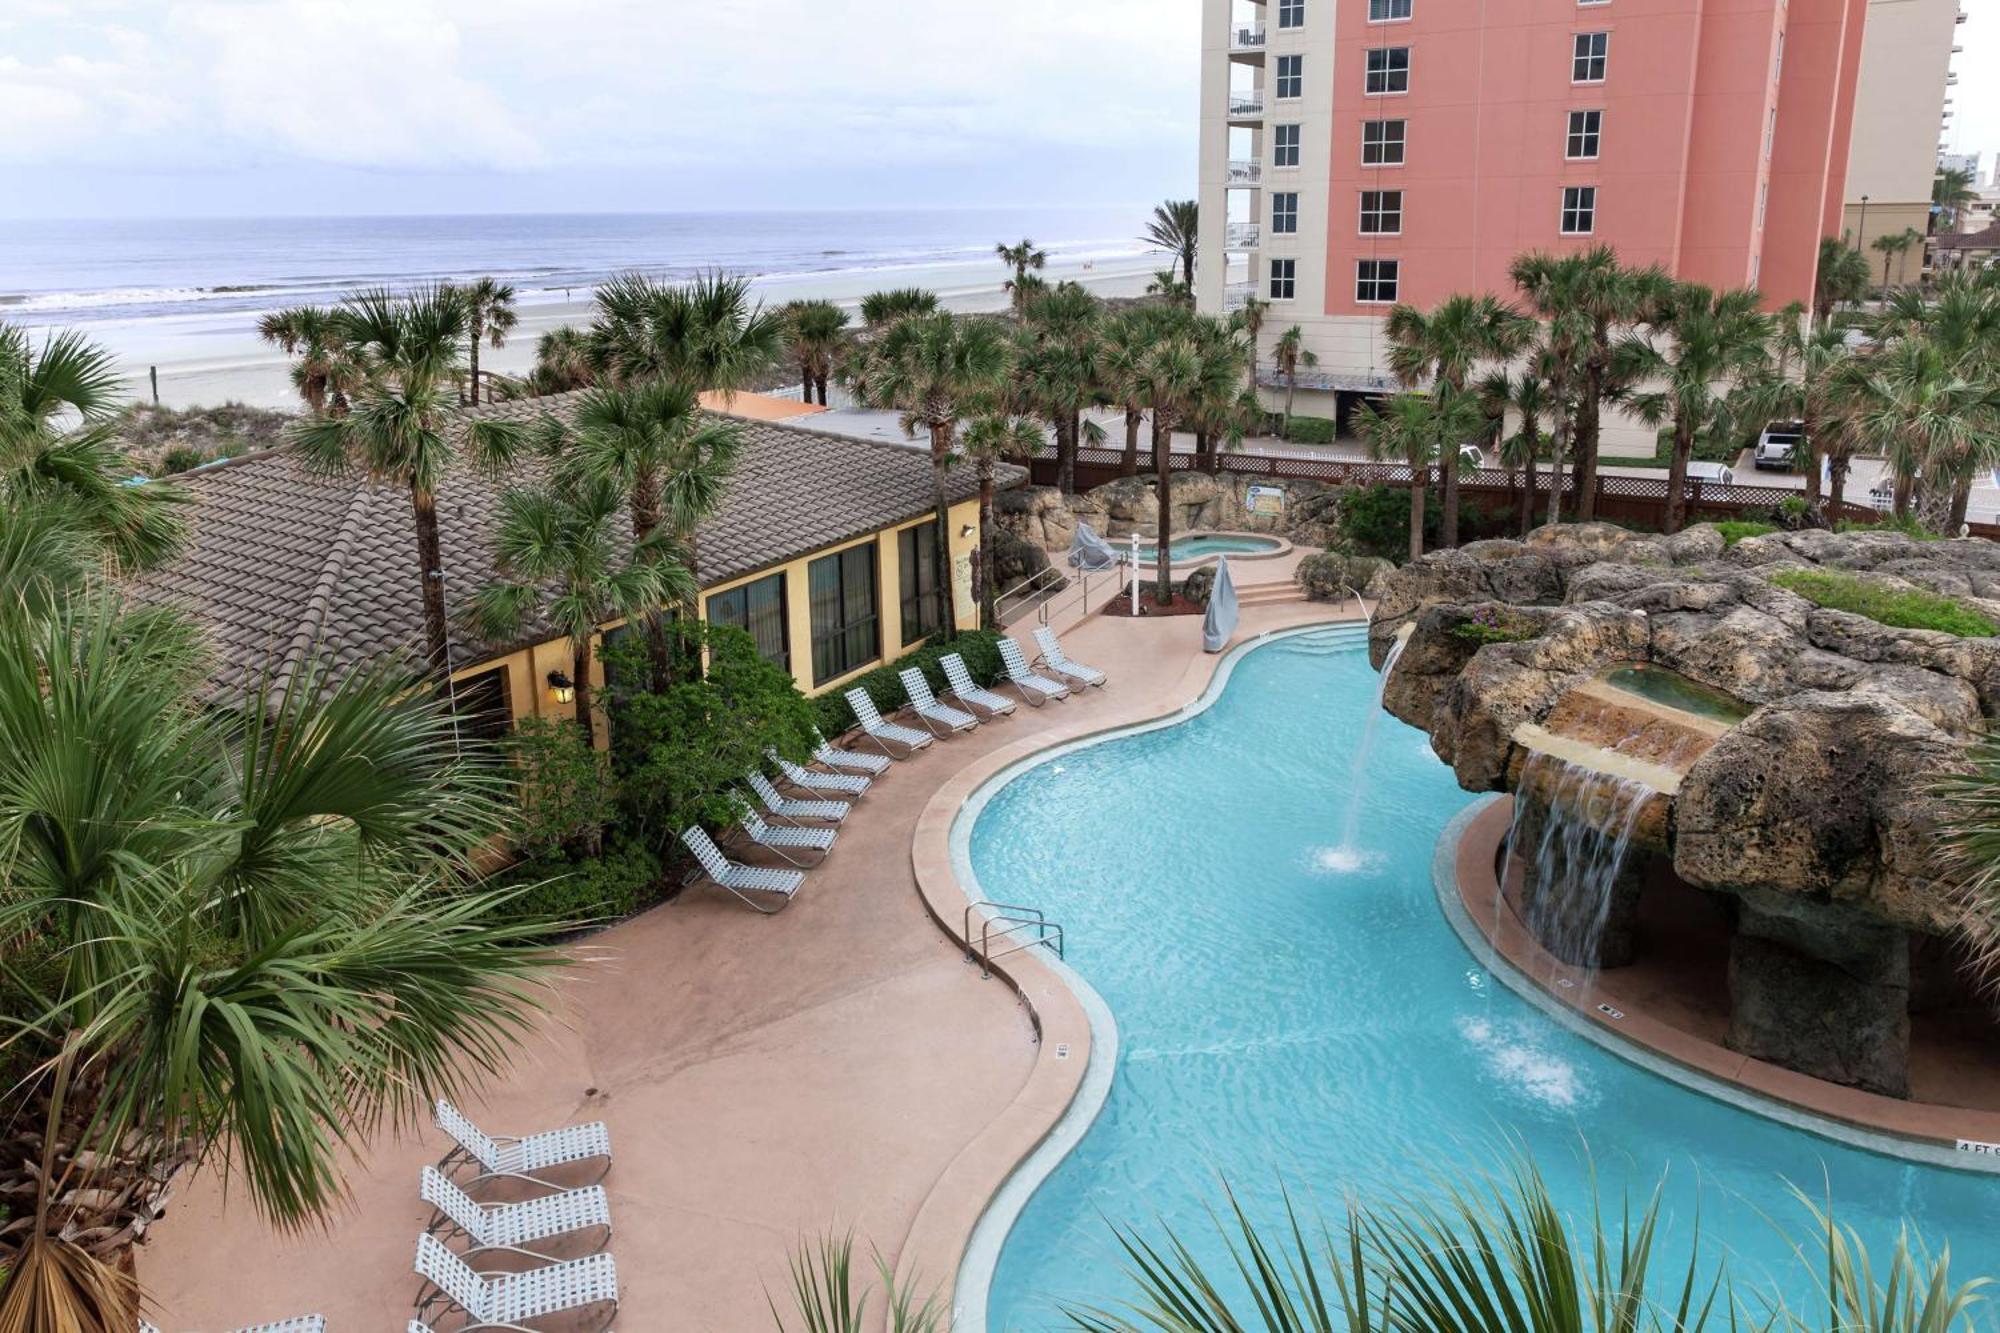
x=1634 y=501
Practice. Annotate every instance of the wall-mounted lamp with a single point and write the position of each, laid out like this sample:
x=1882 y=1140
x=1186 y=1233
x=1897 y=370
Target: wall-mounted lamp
x=561 y=688
x=967 y=530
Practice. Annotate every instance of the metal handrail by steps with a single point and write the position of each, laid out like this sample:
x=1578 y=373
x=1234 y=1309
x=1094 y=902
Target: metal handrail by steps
x=1047 y=581
x=1012 y=920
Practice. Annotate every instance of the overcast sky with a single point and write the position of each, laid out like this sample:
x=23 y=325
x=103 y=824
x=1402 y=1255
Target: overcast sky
x=161 y=107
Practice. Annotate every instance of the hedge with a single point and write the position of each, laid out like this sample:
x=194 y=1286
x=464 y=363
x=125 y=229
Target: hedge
x=627 y=877
x=979 y=648
x=1312 y=430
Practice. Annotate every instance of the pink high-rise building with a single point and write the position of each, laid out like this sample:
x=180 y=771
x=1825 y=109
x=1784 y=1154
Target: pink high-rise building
x=1356 y=153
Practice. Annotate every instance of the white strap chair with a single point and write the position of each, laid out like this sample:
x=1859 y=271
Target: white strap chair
x=742 y=880
x=1037 y=690
x=1054 y=659
x=885 y=734
x=783 y=807
x=959 y=677
x=820 y=784
x=933 y=713
x=504 y=1300
x=514 y=1226
x=506 y=1157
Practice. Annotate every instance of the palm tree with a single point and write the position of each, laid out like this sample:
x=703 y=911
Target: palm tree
x=1167 y=282
x=1289 y=354
x=1938 y=427
x=1814 y=374
x=1951 y=191
x=1962 y=321
x=1193 y=363
x=60 y=449
x=1058 y=370
x=817 y=333
x=560 y=561
x=1022 y=259
x=1710 y=345
x=707 y=332
x=1126 y=336
x=670 y=460
x=1250 y=319
x=1444 y=348
x=1893 y=245
x=563 y=361
x=1418 y=430
x=1525 y=393
x=324 y=370
x=937 y=371
x=396 y=432
x=1557 y=290
x=1841 y=277
x=490 y=317
x=1176 y=228
x=259 y=940
x=881 y=309
x=988 y=440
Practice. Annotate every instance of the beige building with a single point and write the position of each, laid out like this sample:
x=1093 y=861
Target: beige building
x=1899 y=110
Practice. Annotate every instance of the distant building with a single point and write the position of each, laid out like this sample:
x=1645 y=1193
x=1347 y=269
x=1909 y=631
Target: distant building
x=1899 y=113
x=1357 y=153
x=1965 y=162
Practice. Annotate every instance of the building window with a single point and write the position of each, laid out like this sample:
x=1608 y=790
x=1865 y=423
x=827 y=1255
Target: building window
x=1771 y=132
x=1285 y=146
x=759 y=609
x=1284 y=213
x=1291 y=76
x=1384 y=11
x=1388 y=71
x=846 y=619
x=1284 y=279
x=1579 y=210
x=1586 y=133
x=1381 y=212
x=1291 y=13
x=917 y=551
x=1763 y=201
x=1375 y=280
x=1382 y=142
x=481 y=708
x=1589 y=55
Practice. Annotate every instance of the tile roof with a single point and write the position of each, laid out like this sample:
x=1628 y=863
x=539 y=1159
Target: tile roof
x=1987 y=239
x=284 y=563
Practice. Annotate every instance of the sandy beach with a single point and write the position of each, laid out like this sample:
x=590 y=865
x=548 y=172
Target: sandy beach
x=205 y=359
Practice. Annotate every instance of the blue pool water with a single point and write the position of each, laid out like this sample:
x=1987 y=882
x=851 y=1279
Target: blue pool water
x=1294 y=1011
x=1199 y=548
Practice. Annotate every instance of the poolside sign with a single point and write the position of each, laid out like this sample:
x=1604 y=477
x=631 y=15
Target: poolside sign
x=1265 y=500
x=1975 y=1146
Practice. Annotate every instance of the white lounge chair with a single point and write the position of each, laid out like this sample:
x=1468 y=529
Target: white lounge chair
x=786 y=840
x=783 y=807
x=820 y=784
x=883 y=733
x=933 y=713
x=1037 y=690
x=305 y=1323
x=849 y=760
x=959 y=677
x=509 y=1300
x=742 y=880
x=514 y=1226
x=506 y=1157
x=1054 y=659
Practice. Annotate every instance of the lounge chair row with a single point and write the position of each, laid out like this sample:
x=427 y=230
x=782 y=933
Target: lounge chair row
x=521 y=1229
x=811 y=824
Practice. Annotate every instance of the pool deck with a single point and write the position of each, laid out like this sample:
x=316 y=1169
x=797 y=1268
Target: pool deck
x=1673 y=1003
x=838 y=1066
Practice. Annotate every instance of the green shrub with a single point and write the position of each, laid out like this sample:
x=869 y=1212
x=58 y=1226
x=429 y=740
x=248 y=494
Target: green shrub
x=1489 y=624
x=563 y=792
x=1376 y=521
x=626 y=878
x=979 y=648
x=1736 y=530
x=1906 y=525
x=1902 y=609
x=181 y=458
x=1312 y=430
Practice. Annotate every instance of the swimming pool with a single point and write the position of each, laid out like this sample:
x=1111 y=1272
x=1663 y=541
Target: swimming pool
x=1294 y=1009
x=1202 y=548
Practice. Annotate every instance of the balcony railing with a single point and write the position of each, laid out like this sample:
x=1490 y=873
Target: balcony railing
x=1244 y=172
x=1247 y=35
x=1243 y=236
x=1237 y=295
x=1328 y=381
x=1244 y=106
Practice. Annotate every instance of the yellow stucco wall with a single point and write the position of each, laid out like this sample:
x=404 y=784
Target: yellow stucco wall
x=528 y=669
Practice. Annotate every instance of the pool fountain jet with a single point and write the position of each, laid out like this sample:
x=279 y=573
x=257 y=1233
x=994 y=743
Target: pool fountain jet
x=1347 y=854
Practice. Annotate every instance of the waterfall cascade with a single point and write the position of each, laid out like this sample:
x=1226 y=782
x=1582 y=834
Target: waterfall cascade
x=1572 y=839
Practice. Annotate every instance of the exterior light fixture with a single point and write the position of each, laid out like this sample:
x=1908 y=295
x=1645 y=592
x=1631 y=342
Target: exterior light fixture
x=561 y=688
x=967 y=530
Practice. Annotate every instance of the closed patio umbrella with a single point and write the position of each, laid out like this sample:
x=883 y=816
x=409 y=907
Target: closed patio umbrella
x=1087 y=550
x=1220 y=624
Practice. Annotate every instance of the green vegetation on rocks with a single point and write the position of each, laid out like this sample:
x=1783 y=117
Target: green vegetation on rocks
x=1897 y=607
x=1736 y=530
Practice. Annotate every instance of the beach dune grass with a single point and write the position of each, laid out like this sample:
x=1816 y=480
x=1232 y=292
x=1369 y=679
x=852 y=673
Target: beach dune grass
x=1902 y=608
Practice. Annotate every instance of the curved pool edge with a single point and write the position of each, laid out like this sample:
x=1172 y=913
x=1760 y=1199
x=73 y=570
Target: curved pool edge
x=1470 y=834
x=1285 y=546
x=963 y=1224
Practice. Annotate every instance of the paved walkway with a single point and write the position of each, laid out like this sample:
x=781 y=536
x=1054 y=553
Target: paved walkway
x=764 y=1079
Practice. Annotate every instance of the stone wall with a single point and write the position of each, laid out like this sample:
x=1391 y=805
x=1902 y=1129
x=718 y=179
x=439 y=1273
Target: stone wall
x=1044 y=516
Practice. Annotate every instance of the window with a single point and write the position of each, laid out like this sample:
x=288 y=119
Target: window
x=1382 y=142
x=1382 y=11
x=1381 y=212
x=1284 y=279
x=1589 y=55
x=1763 y=201
x=1375 y=280
x=1291 y=13
x=760 y=609
x=1586 y=132
x=1579 y=210
x=1285 y=146
x=1284 y=213
x=1291 y=76
x=846 y=622
x=480 y=706
x=1388 y=71
x=917 y=551
x=1771 y=132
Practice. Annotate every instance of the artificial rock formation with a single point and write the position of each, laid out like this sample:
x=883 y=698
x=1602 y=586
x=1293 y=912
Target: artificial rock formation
x=1201 y=502
x=1813 y=813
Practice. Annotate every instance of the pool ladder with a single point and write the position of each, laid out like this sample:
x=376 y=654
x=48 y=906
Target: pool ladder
x=1004 y=929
